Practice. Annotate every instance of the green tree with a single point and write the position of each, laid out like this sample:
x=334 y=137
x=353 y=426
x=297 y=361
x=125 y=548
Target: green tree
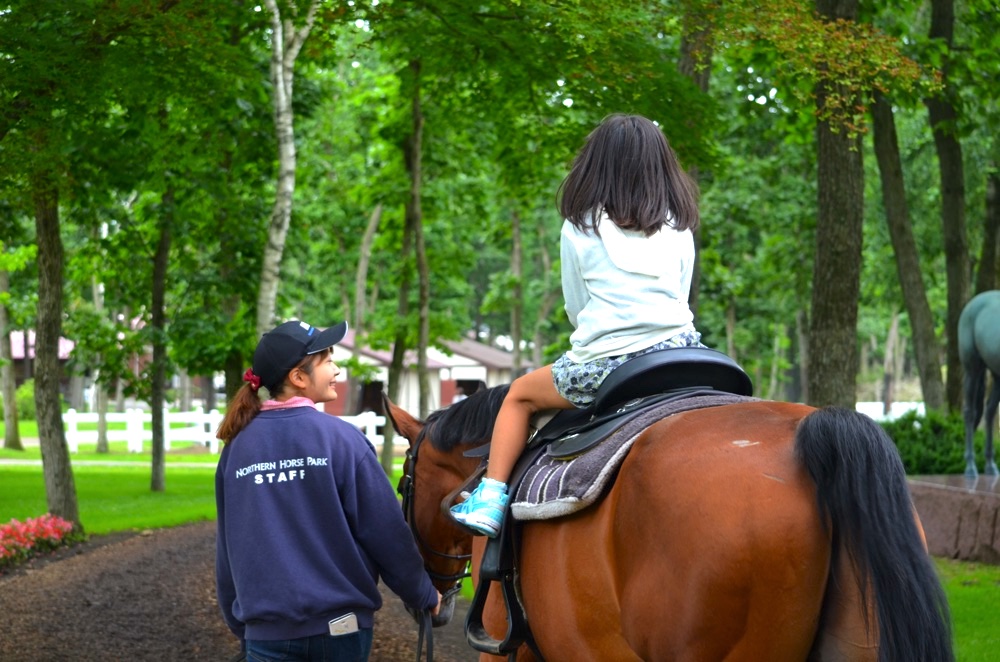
x=944 y=120
x=10 y=260
x=287 y=40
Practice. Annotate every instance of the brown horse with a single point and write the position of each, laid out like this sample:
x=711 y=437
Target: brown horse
x=751 y=531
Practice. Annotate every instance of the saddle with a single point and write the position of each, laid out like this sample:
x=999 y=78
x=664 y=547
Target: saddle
x=643 y=389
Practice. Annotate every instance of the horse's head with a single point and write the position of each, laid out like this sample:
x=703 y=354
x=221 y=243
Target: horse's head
x=434 y=471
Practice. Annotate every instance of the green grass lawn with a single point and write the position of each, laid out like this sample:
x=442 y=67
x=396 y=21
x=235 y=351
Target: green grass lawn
x=115 y=498
x=29 y=429
x=974 y=598
x=26 y=428
x=181 y=451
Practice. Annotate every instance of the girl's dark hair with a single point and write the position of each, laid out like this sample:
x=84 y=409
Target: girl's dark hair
x=246 y=403
x=627 y=170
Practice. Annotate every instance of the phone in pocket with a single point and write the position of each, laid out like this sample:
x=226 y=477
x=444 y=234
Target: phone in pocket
x=346 y=624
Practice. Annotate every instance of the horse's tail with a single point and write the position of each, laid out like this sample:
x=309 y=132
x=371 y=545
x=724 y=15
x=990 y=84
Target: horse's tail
x=862 y=492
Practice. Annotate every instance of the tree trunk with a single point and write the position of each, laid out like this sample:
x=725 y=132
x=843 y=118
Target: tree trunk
x=833 y=352
x=158 y=320
x=414 y=216
x=989 y=261
x=549 y=297
x=360 y=292
x=60 y=488
x=833 y=347
x=8 y=381
x=75 y=398
x=119 y=396
x=943 y=120
x=925 y=342
x=234 y=374
x=101 y=406
x=399 y=345
x=889 y=375
x=517 y=295
x=394 y=388
x=800 y=381
x=183 y=391
x=208 y=392
x=695 y=63
x=286 y=42
x=777 y=358
x=100 y=392
x=731 y=329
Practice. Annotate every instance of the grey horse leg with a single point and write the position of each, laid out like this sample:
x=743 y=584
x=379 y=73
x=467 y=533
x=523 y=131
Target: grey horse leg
x=972 y=411
x=991 y=415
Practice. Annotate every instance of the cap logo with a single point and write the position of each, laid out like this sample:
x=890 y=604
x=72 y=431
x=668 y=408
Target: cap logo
x=310 y=329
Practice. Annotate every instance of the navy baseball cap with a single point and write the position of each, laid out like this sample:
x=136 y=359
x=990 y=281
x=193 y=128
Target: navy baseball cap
x=285 y=346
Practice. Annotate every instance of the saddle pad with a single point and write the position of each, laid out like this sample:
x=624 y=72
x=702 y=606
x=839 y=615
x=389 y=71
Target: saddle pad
x=553 y=487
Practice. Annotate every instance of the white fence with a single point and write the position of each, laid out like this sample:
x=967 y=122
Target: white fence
x=191 y=427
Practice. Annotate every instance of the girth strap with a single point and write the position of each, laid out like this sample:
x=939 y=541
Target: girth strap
x=499 y=564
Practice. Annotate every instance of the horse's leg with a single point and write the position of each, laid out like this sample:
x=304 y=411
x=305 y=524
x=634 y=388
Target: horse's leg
x=570 y=590
x=991 y=415
x=972 y=410
x=845 y=633
x=569 y=595
x=494 y=611
x=740 y=559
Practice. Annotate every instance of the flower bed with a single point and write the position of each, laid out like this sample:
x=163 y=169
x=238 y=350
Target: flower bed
x=20 y=541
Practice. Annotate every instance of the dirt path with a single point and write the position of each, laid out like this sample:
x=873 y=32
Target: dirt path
x=151 y=596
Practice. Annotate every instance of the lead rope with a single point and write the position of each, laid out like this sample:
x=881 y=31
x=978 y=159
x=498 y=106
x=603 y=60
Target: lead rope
x=426 y=626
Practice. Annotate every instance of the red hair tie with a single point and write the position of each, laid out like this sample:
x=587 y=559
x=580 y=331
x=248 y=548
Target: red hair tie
x=251 y=379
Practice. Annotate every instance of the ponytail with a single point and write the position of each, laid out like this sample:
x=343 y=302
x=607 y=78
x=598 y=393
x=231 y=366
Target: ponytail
x=244 y=408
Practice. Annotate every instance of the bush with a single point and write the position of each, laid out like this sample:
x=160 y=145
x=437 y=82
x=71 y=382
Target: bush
x=20 y=541
x=933 y=443
x=26 y=401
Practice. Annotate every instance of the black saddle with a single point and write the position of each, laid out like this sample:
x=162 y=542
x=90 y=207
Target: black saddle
x=672 y=368
x=642 y=380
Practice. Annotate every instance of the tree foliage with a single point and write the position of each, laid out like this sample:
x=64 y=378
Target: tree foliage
x=148 y=116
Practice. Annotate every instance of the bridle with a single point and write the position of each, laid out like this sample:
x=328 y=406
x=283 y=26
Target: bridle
x=406 y=488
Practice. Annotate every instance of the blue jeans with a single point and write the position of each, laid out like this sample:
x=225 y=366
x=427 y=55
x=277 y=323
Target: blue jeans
x=354 y=647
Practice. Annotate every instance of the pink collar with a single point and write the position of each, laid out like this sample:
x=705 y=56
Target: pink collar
x=296 y=401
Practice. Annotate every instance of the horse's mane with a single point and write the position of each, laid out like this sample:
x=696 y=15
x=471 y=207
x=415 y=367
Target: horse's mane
x=469 y=421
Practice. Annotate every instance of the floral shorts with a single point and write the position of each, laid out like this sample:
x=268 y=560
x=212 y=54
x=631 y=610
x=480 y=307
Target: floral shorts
x=578 y=382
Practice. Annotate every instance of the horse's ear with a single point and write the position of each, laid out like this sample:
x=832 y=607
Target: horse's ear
x=402 y=422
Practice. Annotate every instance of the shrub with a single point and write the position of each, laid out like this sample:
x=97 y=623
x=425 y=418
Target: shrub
x=26 y=401
x=20 y=541
x=933 y=443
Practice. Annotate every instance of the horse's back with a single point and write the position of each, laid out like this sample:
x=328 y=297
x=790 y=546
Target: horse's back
x=708 y=546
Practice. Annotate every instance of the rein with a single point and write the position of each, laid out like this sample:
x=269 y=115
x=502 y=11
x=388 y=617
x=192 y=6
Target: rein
x=406 y=489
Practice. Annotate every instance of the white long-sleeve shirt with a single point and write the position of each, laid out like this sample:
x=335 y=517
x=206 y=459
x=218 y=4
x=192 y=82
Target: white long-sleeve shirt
x=624 y=291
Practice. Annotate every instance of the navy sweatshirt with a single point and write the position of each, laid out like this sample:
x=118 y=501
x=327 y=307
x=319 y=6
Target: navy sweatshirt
x=307 y=523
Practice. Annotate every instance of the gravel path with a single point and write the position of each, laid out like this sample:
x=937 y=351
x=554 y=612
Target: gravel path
x=151 y=596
